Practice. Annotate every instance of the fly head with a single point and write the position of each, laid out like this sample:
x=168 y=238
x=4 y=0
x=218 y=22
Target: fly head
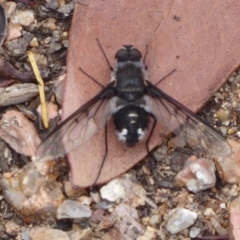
x=128 y=53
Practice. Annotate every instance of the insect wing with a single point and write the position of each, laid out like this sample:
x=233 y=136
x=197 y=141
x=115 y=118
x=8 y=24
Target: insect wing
x=183 y=122
x=78 y=127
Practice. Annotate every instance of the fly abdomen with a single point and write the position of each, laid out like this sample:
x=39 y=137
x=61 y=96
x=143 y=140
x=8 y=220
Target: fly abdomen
x=131 y=124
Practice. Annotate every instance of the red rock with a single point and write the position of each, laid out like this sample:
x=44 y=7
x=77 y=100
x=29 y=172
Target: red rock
x=184 y=37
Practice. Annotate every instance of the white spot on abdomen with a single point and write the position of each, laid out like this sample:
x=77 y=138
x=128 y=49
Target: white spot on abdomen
x=141 y=134
x=122 y=135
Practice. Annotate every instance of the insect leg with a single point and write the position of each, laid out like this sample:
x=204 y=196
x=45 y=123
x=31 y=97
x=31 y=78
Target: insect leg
x=144 y=58
x=111 y=68
x=99 y=44
x=85 y=73
x=152 y=165
x=146 y=67
x=165 y=77
x=151 y=132
x=105 y=155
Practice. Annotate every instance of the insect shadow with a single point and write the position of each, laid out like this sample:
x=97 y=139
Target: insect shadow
x=133 y=102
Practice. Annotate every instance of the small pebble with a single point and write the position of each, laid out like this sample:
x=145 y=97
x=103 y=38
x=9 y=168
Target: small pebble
x=198 y=175
x=73 y=209
x=22 y=17
x=12 y=228
x=50 y=23
x=179 y=219
x=222 y=114
x=176 y=142
x=14 y=31
x=84 y=200
x=231 y=131
x=113 y=191
x=70 y=190
x=34 y=42
x=154 y=220
x=40 y=233
x=9 y=7
x=219 y=229
x=194 y=231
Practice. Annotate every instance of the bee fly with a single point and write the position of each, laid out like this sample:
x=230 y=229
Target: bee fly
x=131 y=100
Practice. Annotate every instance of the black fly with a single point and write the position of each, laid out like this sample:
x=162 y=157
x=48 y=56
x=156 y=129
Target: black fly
x=131 y=100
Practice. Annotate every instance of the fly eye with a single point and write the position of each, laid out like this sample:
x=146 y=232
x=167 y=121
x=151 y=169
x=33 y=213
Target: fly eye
x=135 y=54
x=121 y=54
x=128 y=53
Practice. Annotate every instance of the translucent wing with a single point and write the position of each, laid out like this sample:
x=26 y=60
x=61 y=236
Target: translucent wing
x=180 y=120
x=78 y=127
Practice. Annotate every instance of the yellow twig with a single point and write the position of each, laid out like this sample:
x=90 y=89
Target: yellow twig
x=41 y=88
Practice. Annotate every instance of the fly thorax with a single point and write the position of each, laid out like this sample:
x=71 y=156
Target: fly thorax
x=130 y=82
x=131 y=123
